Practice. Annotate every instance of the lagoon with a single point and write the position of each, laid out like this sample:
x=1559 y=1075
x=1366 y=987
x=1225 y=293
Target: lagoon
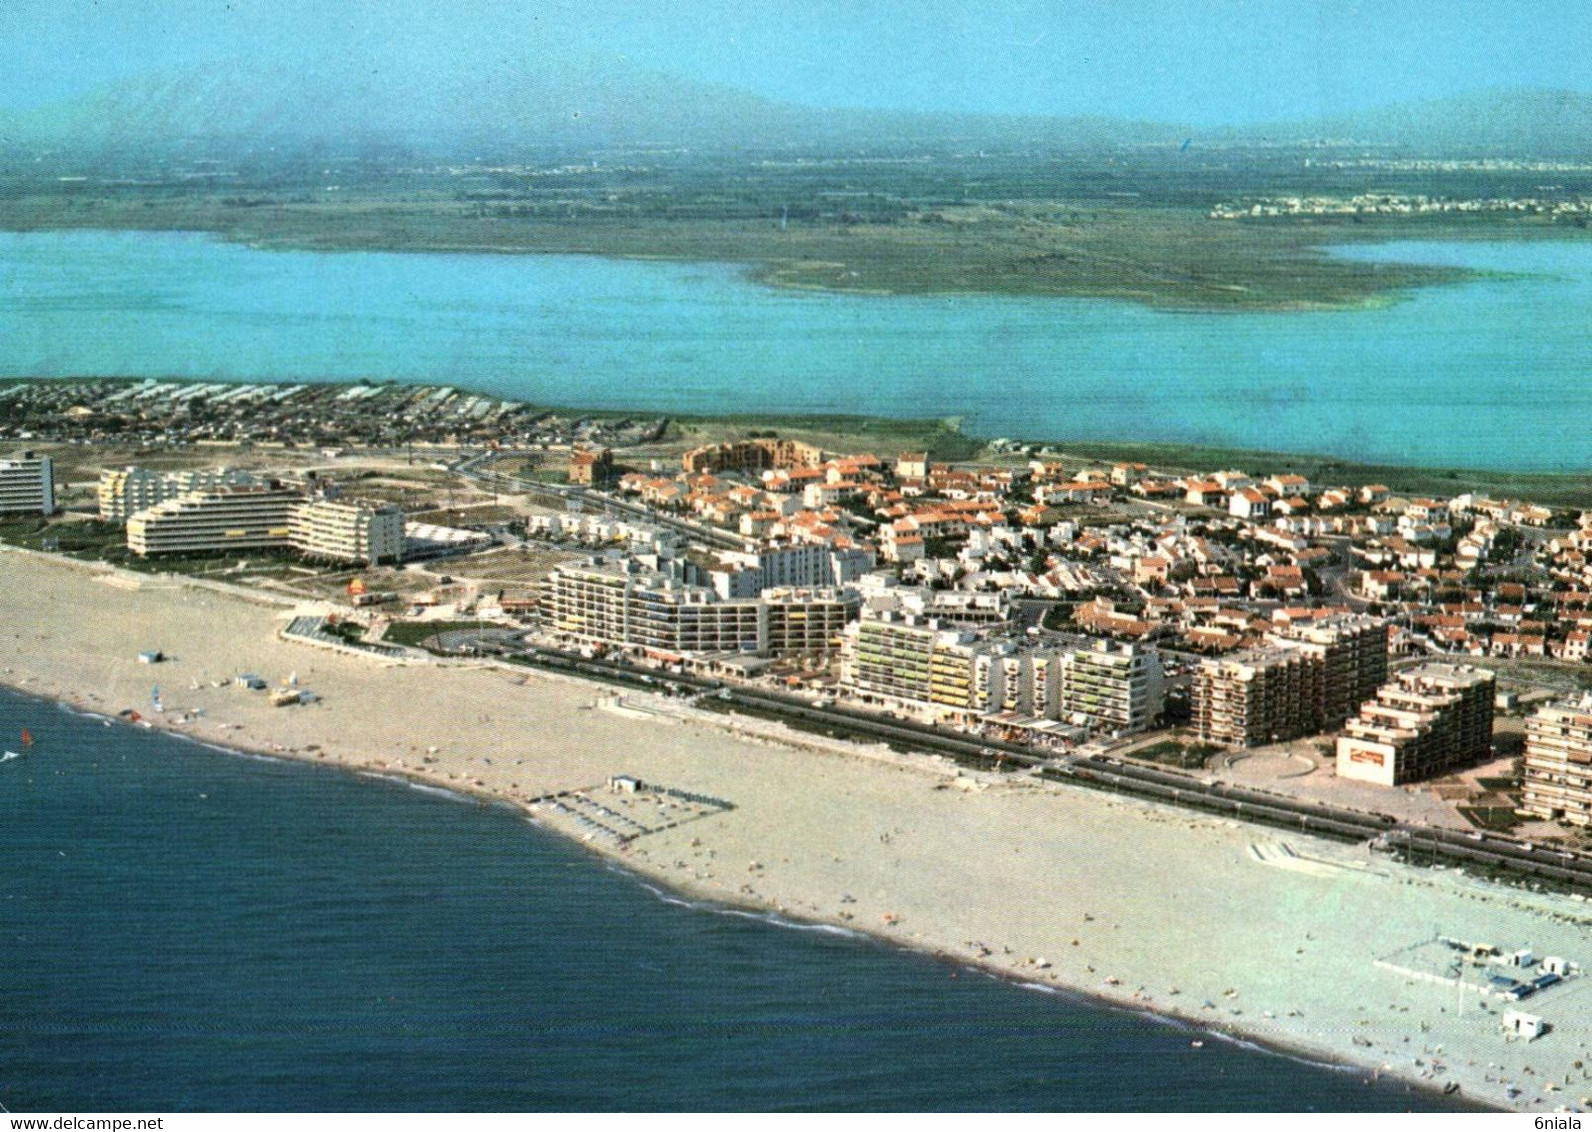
x=1490 y=373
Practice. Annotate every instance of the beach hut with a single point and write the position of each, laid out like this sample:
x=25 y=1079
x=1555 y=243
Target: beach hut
x=1556 y=965
x=624 y=784
x=151 y=656
x=1519 y=1024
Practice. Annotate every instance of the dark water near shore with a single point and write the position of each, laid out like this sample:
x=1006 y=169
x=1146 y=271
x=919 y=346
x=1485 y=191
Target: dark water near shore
x=186 y=929
x=1482 y=375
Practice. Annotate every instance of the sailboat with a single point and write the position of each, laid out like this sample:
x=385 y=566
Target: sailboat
x=27 y=741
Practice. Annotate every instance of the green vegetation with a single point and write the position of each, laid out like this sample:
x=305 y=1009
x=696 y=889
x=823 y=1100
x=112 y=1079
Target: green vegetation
x=1170 y=752
x=1498 y=819
x=1547 y=488
x=421 y=633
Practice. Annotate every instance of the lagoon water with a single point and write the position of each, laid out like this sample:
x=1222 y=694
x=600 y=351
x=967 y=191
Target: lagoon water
x=1487 y=374
x=188 y=929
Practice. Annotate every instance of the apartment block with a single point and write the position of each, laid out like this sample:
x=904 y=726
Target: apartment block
x=347 y=532
x=27 y=485
x=1310 y=677
x=267 y=516
x=1261 y=696
x=649 y=605
x=1111 y=687
x=1558 y=777
x=224 y=519
x=1427 y=721
x=128 y=490
x=902 y=658
x=748 y=573
x=1352 y=652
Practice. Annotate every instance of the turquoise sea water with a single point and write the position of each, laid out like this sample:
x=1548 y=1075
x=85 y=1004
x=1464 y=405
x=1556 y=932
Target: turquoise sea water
x=181 y=928
x=1495 y=373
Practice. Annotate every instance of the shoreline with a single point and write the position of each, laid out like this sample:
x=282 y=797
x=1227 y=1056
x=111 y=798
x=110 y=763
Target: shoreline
x=1564 y=487
x=982 y=872
x=672 y=890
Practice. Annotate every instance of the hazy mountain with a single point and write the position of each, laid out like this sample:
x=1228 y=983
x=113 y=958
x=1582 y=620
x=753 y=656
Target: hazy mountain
x=589 y=106
x=345 y=103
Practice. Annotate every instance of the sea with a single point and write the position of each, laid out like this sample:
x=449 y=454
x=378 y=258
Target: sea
x=1482 y=374
x=183 y=928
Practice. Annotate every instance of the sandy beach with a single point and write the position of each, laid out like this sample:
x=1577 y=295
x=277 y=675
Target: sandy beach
x=1237 y=929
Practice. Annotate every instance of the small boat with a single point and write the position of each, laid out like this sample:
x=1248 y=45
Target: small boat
x=8 y=756
x=1196 y=1044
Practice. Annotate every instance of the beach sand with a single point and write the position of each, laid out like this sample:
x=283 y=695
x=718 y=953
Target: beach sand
x=1237 y=929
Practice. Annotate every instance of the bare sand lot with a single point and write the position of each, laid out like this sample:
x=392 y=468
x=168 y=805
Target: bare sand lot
x=1235 y=928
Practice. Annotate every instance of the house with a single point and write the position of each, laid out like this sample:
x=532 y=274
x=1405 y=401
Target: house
x=912 y=466
x=1288 y=485
x=1247 y=503
x=1381 y=585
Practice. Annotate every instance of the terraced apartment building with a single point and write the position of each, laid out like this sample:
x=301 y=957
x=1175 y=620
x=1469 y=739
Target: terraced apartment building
x=27 y=485
x=1267 y=695
x=347 y=532
x=255 y=517
x=1310 y=677
x=267 y=517
x=633 y=603
x=1558 y=762
x=126 y=491
x=1427 y=721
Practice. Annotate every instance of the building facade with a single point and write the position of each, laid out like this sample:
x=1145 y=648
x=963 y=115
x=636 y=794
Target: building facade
x=1427 y=721
x=752 y=456
x=1558 y=770
x=1261 y=696
x=1310 y=677
x=222 y=519
x=27 y=485
x=347 y=532
x=1112 y=688
x=267 y=516
x=128 y=490
x=649 y=605
x=1352 y=652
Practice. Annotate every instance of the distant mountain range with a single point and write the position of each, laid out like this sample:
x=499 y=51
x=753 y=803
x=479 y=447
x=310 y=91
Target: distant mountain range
x=345 y=104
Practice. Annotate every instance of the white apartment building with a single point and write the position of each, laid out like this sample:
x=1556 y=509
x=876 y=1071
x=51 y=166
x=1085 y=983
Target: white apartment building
x=225 y=518
x=748 y=573
x=1558 y=770
x=260 y=517
x=1120 y=689
x=647 y=604
x=347 y=532
x=1429 y=720
x=124 y=492
x=27 y=485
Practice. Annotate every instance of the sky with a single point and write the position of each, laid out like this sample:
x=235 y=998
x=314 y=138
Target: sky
x=1208 y=62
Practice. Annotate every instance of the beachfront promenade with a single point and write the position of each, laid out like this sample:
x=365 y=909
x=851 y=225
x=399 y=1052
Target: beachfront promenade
x=1156 y=908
